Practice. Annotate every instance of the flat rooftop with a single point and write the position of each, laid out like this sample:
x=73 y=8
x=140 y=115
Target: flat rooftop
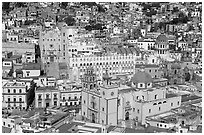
x=173 y=115
x=170 y=95
x=187 y=97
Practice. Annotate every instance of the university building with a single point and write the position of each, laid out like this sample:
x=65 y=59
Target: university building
x=120 y=62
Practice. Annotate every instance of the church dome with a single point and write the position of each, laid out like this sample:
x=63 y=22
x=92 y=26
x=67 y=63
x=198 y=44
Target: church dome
x=162 y=39
x=141 y=77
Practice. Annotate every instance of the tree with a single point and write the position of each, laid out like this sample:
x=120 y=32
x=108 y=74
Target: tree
x=90 y=4
x=88 y=27
x=100 y=8
x=64 y=5
x=137 y=33
x=10 y=72
x=28 y=22
x=187 y=77
x=20 y=4
x=70 y=21
x=31 y=94
x=5 y=5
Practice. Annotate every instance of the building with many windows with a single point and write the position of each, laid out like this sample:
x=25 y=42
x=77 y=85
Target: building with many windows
x=134 y=102
x=47 y=96
x=97 y=102
x=15 y=95
x=50 y=46
x=70 y=95
x=122 y=61
x=162 y=46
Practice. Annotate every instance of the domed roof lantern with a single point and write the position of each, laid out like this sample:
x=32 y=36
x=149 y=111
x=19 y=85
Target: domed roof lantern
x=106 y=77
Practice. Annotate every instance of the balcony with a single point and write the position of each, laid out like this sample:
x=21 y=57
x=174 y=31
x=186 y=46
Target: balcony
x=93 y=107
x=73 y=99
x=14 y=102
x=47 y=99
x=63 y=100
x=128 y=108
x=55 y=98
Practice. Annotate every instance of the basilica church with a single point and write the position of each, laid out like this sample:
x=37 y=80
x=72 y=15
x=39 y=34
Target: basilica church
x=112 y=103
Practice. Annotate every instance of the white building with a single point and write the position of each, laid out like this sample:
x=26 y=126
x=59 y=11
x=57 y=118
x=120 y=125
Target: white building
x=70 y=96
x=98 y=105
x=146 y=44
x=162 y=46
x=47 y=96
x=112 y=103
x=121 y=63
x=28 y=57
x=15 y=95
x=11 y=122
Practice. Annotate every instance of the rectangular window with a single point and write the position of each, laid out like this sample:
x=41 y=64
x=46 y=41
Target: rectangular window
x=150 y=110
x=63 y=34
x=55 y=103
x=103 y=109
x=141 y=85
x=64 y=47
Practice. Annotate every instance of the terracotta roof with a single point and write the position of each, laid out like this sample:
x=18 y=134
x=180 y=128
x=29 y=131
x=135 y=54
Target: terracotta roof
x=161 y=39
x=6 y=129
x=142 y=77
